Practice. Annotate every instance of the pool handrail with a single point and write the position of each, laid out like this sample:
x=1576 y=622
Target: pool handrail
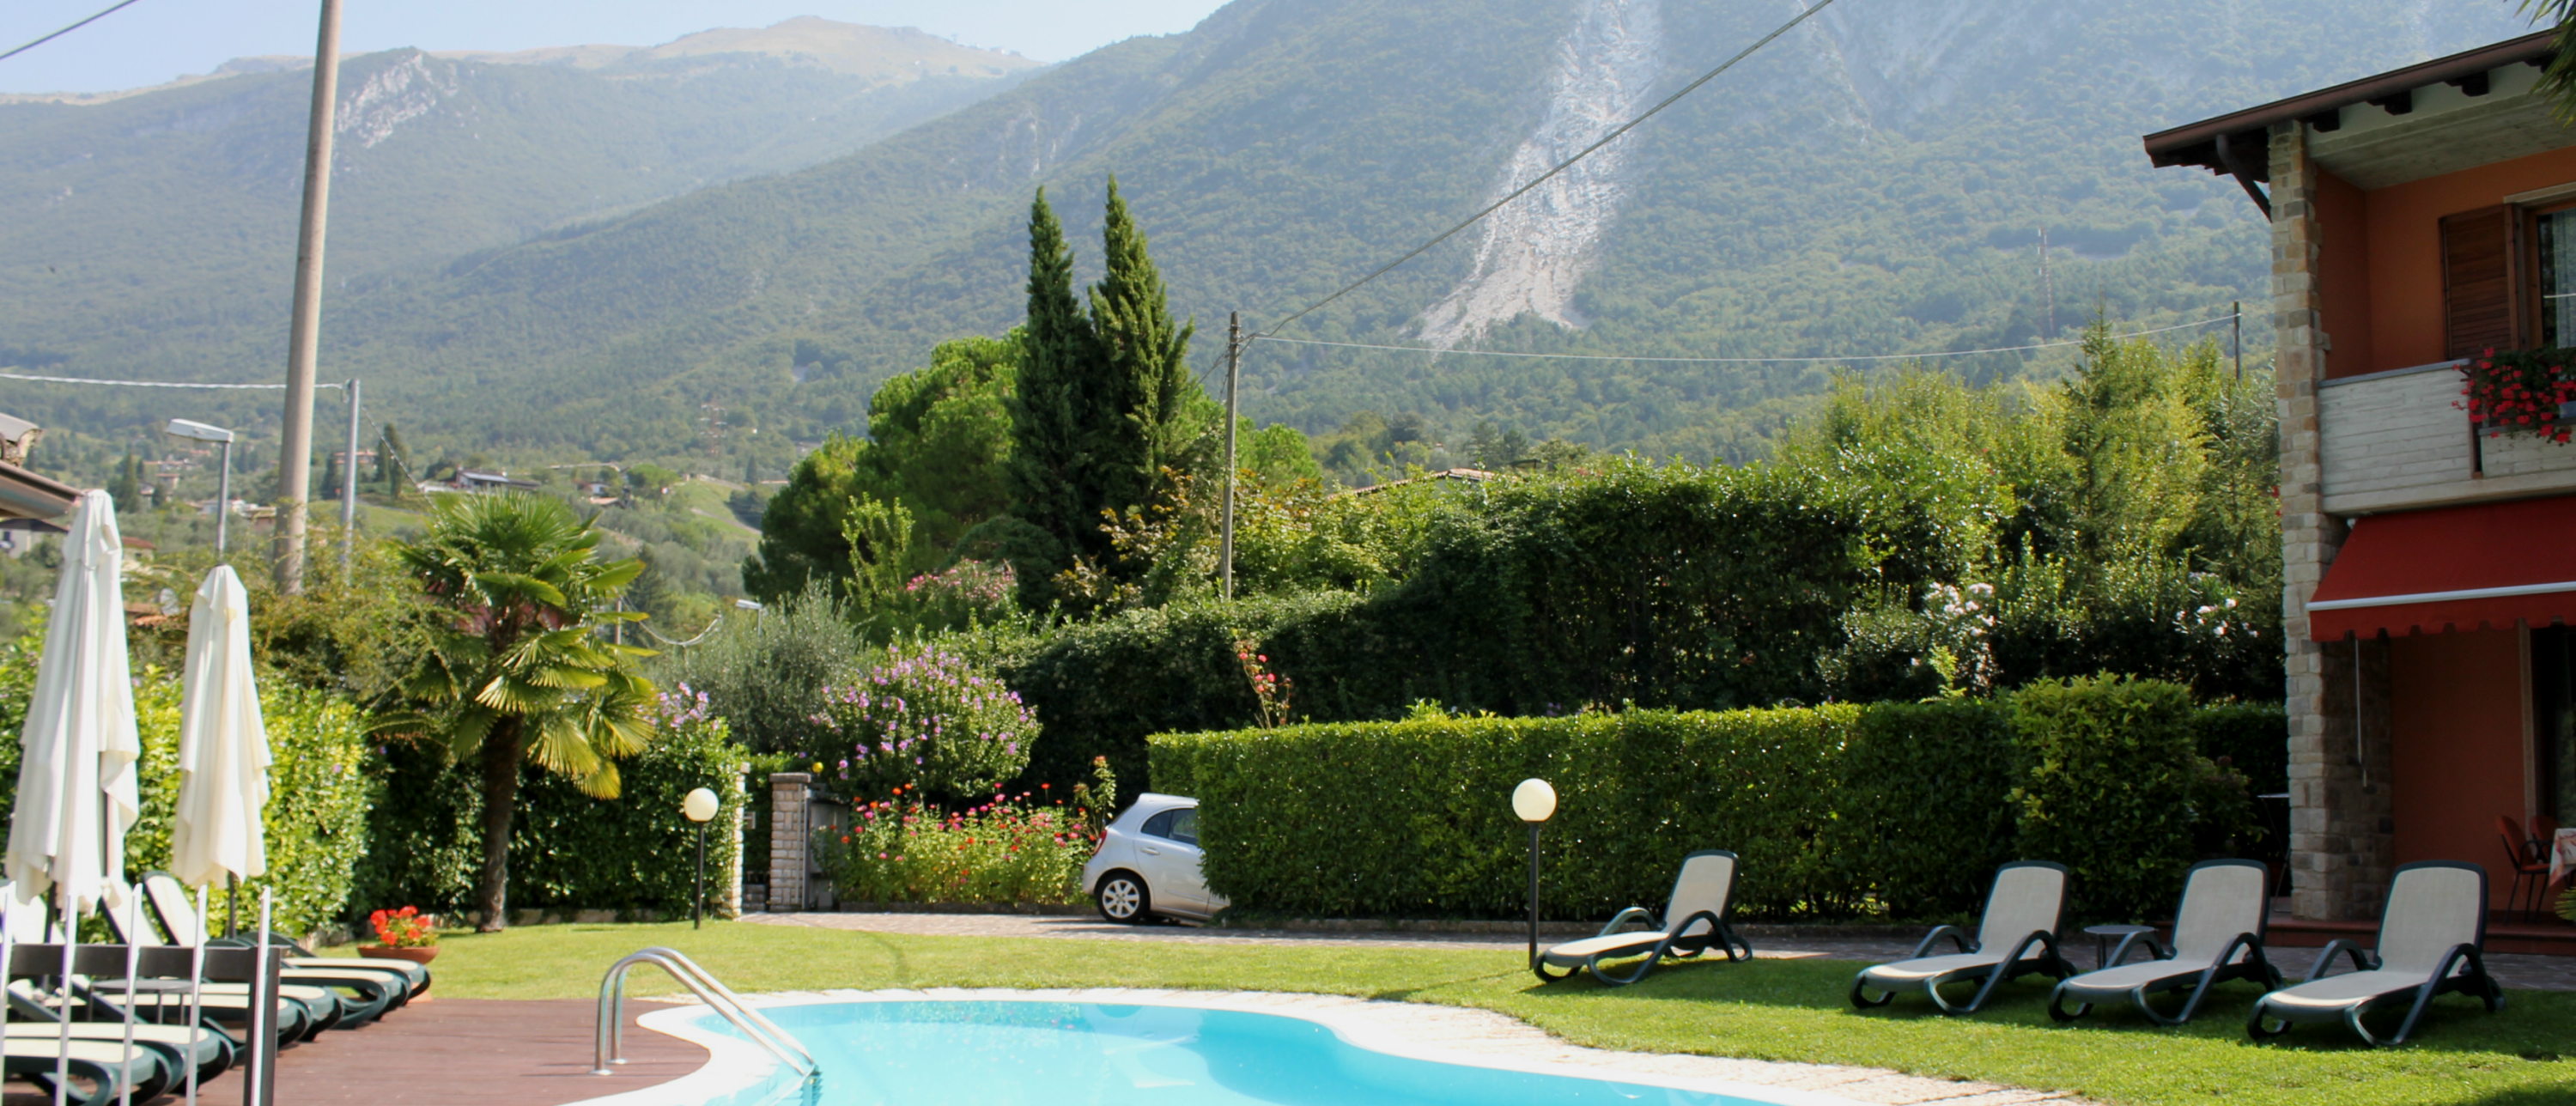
x=610 y=1045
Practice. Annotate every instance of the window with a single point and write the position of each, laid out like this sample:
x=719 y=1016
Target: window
x=2556 y=232
x=1176 y=825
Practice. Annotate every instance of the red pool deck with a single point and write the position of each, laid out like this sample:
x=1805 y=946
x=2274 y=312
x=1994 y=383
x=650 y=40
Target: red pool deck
x=455 y=1052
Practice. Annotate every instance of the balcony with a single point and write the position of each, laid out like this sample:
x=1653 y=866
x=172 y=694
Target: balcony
x=2392 y=441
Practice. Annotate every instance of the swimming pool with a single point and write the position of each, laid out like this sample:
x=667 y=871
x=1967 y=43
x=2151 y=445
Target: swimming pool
x=1046 y=1052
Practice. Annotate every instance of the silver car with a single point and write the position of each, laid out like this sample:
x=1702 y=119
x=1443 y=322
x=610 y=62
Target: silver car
x=1148 y=864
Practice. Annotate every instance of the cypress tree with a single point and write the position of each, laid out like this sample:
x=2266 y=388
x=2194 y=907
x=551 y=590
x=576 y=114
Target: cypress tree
x=127 y=488
x=1050 y=463
x=1157 y=405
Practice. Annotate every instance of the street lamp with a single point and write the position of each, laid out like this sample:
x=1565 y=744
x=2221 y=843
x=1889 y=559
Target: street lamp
x=1534 y=802
x=699 y=806
x=201 y=432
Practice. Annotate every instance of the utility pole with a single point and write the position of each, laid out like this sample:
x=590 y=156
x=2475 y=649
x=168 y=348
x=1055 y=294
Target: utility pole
x=349 y=488
x=295 y=448
x=2236 y=324
x=1225 y=534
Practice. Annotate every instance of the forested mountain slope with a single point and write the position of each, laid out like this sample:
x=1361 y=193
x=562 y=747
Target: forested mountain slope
x=1877 y=181
x=153 y=234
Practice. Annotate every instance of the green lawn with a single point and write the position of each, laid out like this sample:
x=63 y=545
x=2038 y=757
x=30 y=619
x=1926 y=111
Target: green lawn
x=1782 y=1010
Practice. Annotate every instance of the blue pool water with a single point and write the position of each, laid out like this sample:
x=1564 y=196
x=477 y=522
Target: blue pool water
x=1081 y=1054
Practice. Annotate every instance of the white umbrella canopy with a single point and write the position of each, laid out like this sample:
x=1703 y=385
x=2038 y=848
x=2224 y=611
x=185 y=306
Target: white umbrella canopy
x=76 y=769
x=223 y=744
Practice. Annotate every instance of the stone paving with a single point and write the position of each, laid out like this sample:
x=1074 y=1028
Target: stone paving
x=2539 y=973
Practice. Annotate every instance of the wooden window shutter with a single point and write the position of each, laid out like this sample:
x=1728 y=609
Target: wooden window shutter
x=2482 y=285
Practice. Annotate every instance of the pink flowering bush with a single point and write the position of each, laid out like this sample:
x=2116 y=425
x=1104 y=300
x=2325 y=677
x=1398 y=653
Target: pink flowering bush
x=925 y=720
x=1023 y=849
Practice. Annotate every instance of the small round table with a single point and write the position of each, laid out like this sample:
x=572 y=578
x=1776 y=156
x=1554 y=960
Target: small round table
x=2103 y=936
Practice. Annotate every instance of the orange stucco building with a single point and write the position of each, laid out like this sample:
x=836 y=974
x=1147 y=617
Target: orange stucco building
x=2420 y=219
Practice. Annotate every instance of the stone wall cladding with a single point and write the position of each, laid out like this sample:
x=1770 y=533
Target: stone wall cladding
x=2340 y=844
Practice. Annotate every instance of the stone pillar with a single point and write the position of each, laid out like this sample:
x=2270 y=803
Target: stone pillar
x=791 y=835
x=2340 y=829
x=728 y=899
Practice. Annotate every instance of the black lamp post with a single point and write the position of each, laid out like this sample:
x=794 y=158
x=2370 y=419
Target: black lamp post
x=700 y=806
x=1534 y=802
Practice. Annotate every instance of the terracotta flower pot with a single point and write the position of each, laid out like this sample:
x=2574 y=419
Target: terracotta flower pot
x=415 y=955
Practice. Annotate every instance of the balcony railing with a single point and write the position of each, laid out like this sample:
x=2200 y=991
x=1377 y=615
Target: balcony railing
x=2395 y=440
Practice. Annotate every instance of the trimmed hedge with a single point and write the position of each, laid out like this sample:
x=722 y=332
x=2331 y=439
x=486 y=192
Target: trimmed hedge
x=1901 y=809
x=319 y=799
x=2254 y=738
x=567 y=850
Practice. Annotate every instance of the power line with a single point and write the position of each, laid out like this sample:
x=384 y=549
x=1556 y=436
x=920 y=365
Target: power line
x=152 y=383
x=1728 y=360
x=110 y=10
x=1543 y=178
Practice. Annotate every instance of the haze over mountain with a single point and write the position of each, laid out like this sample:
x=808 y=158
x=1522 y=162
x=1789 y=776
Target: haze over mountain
x=1876 y=181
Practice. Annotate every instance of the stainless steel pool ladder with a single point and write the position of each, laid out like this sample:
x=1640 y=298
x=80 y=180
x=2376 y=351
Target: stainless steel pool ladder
x=612 y=1011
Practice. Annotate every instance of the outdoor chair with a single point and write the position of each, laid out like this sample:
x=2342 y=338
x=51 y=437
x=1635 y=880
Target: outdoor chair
x=1694 y=919
x=295 y=1016
x=33 y=1017
x=106 y=1066
x=363 y=996
x=2530 y=865
x=168 y=901
x=2217 y=936
x=2430 y=940
x=2016 y=937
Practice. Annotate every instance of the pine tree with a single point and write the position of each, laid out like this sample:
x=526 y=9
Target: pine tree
x=1158 y=409
x=127 y=488
x=1050 y=464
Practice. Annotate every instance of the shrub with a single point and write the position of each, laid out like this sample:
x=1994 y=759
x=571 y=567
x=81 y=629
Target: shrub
x=1895 y=809
x=1923 y=810
x=2254 y=738
x=926 y=720
x=568 y=850
x=1006 y=850
x=320 y=794
x=2106 y=786
x=765 y=675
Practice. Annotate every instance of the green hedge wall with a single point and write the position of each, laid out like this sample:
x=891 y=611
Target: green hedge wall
x=320 y=792
x=1672 y=587
x=1899 y=809
x=567 y=850
x=2253 y=737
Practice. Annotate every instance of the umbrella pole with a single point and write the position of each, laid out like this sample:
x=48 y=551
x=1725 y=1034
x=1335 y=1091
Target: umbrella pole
x=232 y=906
x=63 y=1052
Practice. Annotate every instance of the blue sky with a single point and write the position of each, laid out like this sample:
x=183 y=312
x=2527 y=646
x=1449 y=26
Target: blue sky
x=156 y=40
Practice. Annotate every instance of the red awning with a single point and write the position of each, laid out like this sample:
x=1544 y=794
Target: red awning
x=2483 y=565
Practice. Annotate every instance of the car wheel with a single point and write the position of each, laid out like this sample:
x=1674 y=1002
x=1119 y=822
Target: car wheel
x=1122 y=898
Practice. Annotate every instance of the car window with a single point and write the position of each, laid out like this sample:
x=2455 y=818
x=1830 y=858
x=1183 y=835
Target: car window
x=1185 y=826
x=1160 y=825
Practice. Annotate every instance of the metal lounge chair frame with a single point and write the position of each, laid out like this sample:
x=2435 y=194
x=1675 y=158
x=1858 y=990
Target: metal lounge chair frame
x=1676 y=938
x=2035 y=951
x=2461 y=969
x=2224 y=967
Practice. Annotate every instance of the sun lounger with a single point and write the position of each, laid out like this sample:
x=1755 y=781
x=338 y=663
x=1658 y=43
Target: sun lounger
x=2016 y=937
x=35 y=1018
x=106 y=1066
x=301 y=1012
x=363 y=996
x=2431 y=940
x=1694 y=920
x=2217 y=936
x=169 y=902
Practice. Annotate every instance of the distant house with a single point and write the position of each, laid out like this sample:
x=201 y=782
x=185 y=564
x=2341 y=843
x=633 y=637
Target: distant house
x=468 y=480
x=2420 y=218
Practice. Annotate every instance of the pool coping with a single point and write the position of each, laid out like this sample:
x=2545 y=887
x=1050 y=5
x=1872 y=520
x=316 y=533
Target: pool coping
x=1422 y=1031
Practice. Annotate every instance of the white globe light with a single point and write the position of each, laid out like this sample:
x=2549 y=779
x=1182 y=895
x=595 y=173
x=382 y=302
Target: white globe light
x=1534 y=801
x=699 y=805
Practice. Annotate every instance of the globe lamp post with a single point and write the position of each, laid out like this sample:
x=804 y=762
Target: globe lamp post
x=1534 y=802
x=699 y=806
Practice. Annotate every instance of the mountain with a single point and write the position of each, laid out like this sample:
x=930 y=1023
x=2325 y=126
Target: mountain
x=153 y=234
x=1877 y=181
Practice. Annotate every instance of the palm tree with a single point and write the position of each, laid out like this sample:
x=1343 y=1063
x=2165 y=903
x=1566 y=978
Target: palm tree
x=518 y=672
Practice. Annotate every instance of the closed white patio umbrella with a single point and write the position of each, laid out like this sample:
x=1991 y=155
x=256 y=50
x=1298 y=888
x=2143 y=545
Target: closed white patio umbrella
x=76 y=772
x=223 y=744
x=76 y=768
